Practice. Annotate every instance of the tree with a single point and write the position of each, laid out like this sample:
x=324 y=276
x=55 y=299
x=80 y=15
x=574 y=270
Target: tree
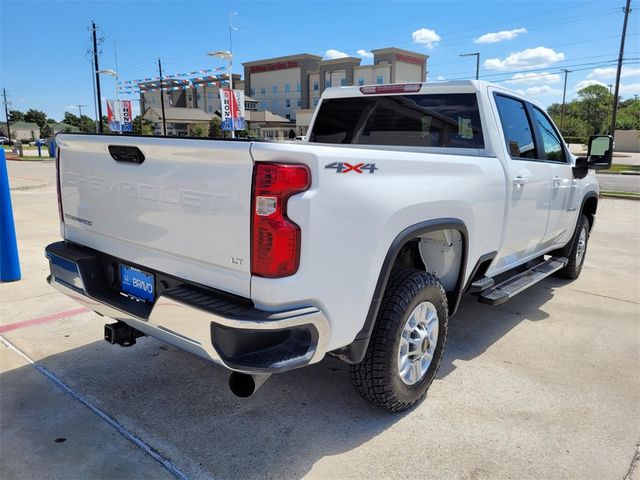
x=628 y=115
x=35 y=116
x=16 y=116
x=71 y=119
x=142 y=126
x=87 y=124
x=51 y=121
x=46 y=131
x=199 y=130
x=594 y=105
x=214 y=127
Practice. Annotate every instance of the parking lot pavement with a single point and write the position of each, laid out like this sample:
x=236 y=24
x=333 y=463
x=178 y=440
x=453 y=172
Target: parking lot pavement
x=545 y=386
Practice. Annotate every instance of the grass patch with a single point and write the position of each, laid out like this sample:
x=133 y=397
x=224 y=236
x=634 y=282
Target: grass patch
x=619 y=167
x=614 y=193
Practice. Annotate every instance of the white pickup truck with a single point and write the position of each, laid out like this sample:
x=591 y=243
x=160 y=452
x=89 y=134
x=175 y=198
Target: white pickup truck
x=357 y=242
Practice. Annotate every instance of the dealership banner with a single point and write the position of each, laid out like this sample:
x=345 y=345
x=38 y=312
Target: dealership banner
x=232 y=102
x=119 y=115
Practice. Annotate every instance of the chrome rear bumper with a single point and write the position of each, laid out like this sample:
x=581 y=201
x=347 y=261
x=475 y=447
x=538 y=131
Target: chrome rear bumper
x=233 y=334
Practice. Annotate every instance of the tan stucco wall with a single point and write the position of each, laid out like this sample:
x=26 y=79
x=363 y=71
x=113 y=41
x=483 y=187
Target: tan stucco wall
x=627 y=141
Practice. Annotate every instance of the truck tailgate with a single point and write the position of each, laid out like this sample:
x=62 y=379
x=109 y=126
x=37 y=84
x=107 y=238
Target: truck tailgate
x=185 y=210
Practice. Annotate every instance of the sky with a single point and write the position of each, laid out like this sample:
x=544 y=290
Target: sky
x=523 y=44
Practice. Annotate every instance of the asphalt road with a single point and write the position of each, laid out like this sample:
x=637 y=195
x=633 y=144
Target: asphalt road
x=545 y=386
x=619 y=183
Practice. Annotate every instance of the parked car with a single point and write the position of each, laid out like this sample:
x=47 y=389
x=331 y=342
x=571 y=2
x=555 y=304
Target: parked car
x=358 y=243
x=5 y=141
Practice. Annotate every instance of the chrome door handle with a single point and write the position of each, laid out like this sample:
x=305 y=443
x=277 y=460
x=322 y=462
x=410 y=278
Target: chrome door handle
x=519 y=181
x=557 y=181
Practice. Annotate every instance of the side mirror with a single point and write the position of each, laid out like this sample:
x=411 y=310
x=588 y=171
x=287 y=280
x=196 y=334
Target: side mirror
x=600 y=152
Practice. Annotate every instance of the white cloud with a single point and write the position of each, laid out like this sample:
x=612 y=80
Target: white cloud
x=539 y=91
x=529 y=78
x=426 y=37
x=610 y=72
x=332 y=54
x=538 y=57
x=630 y=89
x=364 y=53
x=440 y=78
x=495 y=37
x=587 y=83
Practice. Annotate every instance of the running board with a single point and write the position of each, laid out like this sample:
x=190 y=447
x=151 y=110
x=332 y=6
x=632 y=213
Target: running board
x=516 y=284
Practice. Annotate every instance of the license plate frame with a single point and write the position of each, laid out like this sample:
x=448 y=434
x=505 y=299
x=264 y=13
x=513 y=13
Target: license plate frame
x=137 y=283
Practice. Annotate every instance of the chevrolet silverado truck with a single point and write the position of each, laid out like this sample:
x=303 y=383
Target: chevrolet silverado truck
x=357 y=242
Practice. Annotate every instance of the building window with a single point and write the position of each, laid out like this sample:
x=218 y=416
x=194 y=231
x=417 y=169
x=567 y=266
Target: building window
x=360 y=80
x=274 y=89
x=287 y=87
x=315 y=102
x=253 y=92
x=274 y=104
x=327 y=83
x=299 y=103
x=288 y=116
x=298 y=87
x=263 y=91
x=210 y=108
x=379 y=80
x=263 y=105
x=315 y=86
x=343 y=82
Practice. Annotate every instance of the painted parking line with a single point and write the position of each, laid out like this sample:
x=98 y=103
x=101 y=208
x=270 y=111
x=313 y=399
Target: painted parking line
x=46 y=318
x=137 y=441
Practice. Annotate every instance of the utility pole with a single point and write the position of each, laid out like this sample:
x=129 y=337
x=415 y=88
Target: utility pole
x=564 y=96
x=614 y=113
x=95 y=104
x=164 y=121
x=96 y=68
x=6 y=112
x=477 y=55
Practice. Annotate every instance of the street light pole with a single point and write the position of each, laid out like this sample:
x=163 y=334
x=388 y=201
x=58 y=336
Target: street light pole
x=228 y=56
x=477 y=55
x=6 y=112
x=564 y=96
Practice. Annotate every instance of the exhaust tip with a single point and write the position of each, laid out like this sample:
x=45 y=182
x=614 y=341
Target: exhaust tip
x=244 y=385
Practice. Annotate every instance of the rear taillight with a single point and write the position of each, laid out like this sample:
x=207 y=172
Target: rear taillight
x=58 y=186
x=275 y=249
x=393 y=88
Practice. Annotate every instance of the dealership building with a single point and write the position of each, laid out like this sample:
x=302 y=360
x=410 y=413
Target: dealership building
x=288 y=85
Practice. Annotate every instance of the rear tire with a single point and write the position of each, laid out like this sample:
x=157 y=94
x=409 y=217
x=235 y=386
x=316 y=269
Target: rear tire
x=578 y=250
x=407 y=342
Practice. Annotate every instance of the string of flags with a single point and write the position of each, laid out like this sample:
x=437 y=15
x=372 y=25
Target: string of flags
x=168 y=77
x=172 y=89
x=172 y=84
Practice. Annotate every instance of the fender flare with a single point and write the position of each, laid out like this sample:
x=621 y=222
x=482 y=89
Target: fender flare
x=564 y=251
x=355 y=352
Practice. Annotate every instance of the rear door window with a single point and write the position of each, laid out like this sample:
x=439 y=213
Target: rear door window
x=427 y=120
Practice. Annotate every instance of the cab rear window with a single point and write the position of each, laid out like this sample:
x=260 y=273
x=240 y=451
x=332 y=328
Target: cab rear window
x=427 y=120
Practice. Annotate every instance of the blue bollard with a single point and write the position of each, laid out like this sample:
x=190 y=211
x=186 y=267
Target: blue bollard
x=9 y=262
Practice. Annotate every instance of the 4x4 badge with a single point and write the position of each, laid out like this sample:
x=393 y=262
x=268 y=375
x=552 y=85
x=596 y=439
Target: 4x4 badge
x=344 y=167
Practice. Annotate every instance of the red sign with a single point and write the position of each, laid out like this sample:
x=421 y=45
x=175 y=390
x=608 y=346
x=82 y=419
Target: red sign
x=408 y=59
x=269 y=67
